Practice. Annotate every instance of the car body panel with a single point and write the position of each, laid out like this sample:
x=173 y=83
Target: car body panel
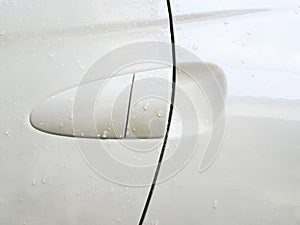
x=47 y=47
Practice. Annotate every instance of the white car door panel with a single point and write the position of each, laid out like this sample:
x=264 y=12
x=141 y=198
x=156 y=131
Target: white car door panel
x=46 y=49
x=254 y=179
x=85 y=99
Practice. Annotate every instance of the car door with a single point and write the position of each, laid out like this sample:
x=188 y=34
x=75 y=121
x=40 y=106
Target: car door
x=76 y=146
x=251 y=174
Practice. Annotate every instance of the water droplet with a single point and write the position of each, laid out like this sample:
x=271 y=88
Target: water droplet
x=7 y=132
x=146 y=106
x=215 y=204
x=44 y=180
x=159 y=114
x=2 y=33
x=104 y=134
x=195 y=48
x=61 y=125
x=33 y=182
x=133 y=129
x=52 y=55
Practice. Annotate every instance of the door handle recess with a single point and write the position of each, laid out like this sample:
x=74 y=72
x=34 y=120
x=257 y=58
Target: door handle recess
x=133 y=106
x=127 y=106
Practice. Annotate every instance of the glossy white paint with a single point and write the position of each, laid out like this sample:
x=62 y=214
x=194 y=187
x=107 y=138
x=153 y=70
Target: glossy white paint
x=255 y=180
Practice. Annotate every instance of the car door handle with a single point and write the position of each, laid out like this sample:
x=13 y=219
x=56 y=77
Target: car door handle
x=131 y=106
